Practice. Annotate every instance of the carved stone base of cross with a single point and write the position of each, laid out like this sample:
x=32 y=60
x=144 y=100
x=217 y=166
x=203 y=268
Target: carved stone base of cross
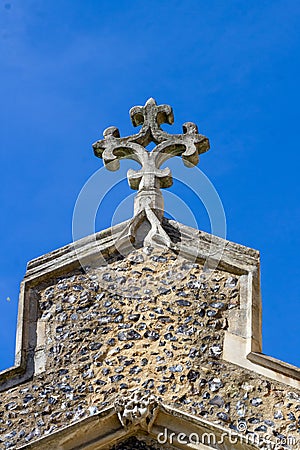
x=150 y=198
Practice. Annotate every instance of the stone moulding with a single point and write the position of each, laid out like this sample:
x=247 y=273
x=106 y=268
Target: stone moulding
x=170 y=426
x=243 y=340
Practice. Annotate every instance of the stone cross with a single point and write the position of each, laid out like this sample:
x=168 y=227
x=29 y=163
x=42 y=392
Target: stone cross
x=151 y=178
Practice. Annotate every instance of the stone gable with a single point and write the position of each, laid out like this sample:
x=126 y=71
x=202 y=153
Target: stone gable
x=151 y=321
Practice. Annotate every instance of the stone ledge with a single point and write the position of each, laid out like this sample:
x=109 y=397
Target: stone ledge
x=275 y=364
x=237 y=350
x=11 y=372
x=104 y=430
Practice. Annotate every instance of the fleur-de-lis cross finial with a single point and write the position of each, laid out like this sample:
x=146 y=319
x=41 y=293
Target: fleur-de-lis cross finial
x=150 y=178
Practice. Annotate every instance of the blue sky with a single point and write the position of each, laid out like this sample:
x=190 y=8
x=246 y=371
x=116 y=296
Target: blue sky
x=69 y=69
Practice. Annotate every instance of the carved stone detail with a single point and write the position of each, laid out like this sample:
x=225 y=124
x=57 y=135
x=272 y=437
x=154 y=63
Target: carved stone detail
x=137 y=409
x=151 y=178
